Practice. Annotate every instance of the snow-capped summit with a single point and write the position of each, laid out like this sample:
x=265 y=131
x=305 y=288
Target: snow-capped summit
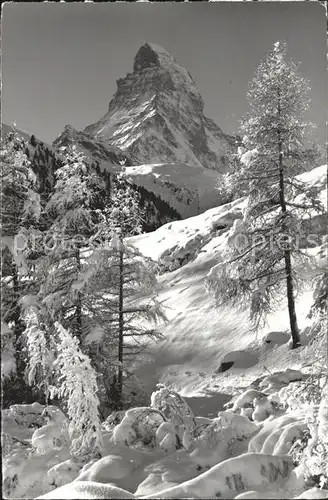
x=156 y=115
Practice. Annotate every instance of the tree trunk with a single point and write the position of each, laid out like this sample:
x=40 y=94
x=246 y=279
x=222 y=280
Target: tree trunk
x=18 y=326
x=291 y=301
x=120 y=325
x=79 y=302
x=287 y=254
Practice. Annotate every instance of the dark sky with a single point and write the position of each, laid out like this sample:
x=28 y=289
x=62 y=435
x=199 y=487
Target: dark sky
x=61 y=60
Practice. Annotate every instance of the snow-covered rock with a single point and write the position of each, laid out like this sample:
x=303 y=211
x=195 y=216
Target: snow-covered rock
x=166 y=472
x=262 y=494
x=107 y=469
x=288 y=436
x=52 y=436
x=246 y=398
x=277 y=380
x=29 y=415
x=63 y=473
x=231 y=477
x=277 y=338
x=263 y=408
x=153 y=484
x=268 y=436
x=313 y=493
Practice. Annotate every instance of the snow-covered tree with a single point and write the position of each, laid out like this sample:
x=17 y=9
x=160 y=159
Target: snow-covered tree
x=320 y=297
x=39 y=355
x=267 y=253
x=77 y=385
x=20 y=213
x=72 y=209
x=131 y=283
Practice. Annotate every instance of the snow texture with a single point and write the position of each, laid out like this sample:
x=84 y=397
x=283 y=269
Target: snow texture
x=87 y=489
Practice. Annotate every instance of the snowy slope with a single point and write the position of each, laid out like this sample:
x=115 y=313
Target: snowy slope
x=198 y=337
x=188 y=189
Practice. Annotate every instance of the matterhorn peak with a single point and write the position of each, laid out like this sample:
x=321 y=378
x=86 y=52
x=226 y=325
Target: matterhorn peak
x=156 y=115
x=149 y=55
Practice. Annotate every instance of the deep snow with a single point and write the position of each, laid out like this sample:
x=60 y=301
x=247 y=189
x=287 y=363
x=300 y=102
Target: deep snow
x=232 y=448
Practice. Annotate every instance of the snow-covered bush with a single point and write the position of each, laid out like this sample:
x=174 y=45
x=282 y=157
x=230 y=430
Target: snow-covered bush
x=215 y=442
x=263 y=408
x=288 y=437
x=38 y=354
x=24 y=472
x=316 y=452
x=113 y=419
x=10 y=443
x=144 y=427
x=175 y=410
x=52 y=436
x=78 y=384
x=313 y=493
x=8 y=362
x=320 y=297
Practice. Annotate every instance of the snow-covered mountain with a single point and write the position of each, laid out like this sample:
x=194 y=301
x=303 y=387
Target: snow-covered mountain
x=157 y=115
x=189 y=190
x=155 y=124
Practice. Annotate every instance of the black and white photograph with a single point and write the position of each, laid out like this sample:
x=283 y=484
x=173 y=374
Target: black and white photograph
x=164 y=240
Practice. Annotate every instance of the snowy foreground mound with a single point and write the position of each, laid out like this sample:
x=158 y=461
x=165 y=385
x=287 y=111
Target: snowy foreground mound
x=165 y=451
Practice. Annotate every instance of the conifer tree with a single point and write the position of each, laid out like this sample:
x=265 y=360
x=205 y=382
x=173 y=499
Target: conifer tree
x=20 y=212
x=77 y=385
x=40 y=356
x=33 y=141
x=267 y=256
x=74 y=222
x=131 y=284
